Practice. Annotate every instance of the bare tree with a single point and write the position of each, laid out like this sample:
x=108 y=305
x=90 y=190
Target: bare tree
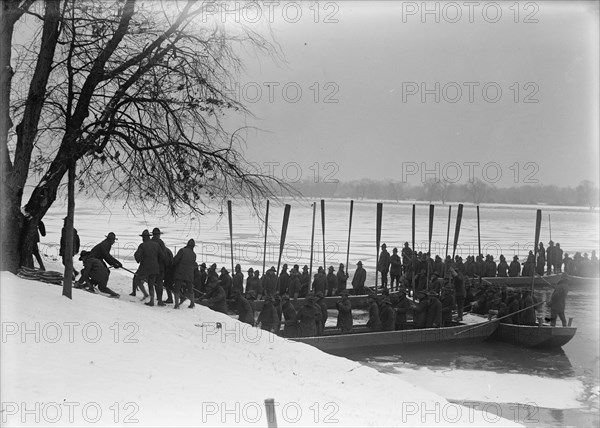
x=479 y=190
x=136 y=94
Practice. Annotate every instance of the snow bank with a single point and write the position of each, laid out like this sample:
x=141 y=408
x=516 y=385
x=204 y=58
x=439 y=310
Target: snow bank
x=97 y=361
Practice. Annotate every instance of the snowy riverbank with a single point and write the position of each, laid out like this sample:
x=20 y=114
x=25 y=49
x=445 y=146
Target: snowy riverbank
x=98 y=361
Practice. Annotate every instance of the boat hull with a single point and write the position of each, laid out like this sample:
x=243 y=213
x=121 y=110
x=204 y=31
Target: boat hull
x=362 y=340
x=545 y=336
x=521 y=281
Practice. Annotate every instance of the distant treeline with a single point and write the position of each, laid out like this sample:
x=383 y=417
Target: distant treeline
x=585 y=194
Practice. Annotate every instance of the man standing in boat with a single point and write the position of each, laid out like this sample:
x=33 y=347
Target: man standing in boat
x=358 y=281
x=383 y=265
x=557 y=303
x=515 y=267
x=550 y=258
x=344 y=321
x=406 y=257
x=395 y=269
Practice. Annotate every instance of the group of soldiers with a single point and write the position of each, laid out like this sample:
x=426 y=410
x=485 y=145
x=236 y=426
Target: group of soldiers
x=430 y=299
x=416 y=267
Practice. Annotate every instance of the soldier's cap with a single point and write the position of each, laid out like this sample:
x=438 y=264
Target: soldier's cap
x=284 y=266
x=515 y=257
x=383 y=246
x=238 y=267
x=331 y=268
x=191 y=243
x=359 y=263
x=320 y=269
x=203 y=264
x=296 y=267
x=273 y=269
x=112 y=236
x=395 y=250
x=145 y=233
x=250 y=270
x=305 y=267
x=224 y=269
x=83 y=254
x=156 y=231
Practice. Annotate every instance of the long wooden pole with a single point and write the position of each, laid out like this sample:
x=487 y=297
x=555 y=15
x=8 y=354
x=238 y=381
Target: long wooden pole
x=67 y=289
x=266 y=230
x=230 y=215
x=349 y=232
x=538 y=225
x=478 y=233
x=378 y=238
x=457 y=229
x=550 y=226
x=448 y=232
x=312 y=240
x=284 y=226
x=431 y=209
x=413 y=227
x=323 y=229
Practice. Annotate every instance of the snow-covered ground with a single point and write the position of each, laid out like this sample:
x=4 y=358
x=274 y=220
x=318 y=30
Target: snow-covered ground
x=97 y=361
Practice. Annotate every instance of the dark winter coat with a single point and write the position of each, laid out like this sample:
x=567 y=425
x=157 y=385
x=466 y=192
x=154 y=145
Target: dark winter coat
x=344 y=320
x=294 y=285
x=185 y=264
x=284 y=282
x=387 y=317
x=342 y=279
x=63 y=237
x=166 y=260
x=374 y=322
x=102 y=252
x=268 y=318
x=448 y=305
x=94 y=271
x=434 y=313
x=402 y=308
x=559 y=298
x=226 y=283
x=331 y=283
x=420 y=313
x=270 y=283
x=514 y=269
x=244 y=310
x=238 y=282
x=320 y=283
x=215 y=299
x=358 y=281
x=307 y=317
x=149 y=256
x=324 y=314
x=502 y=269
x=395 y=264
x=383 y=265
x=528 y=315
x=304 y=283
x=290 y=321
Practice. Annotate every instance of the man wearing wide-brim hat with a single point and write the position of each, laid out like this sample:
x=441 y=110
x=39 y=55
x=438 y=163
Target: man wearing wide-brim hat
x=164 y=266
x=149 y=256
x=184 y=264
x=95 y=273
x=344 y=307
x=102 y=251
x=359 y=278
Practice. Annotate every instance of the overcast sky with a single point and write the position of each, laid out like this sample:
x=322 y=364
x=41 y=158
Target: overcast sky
x=385 y=63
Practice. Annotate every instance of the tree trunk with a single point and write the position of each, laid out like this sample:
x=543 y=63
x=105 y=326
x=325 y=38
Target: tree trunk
x=68 y=276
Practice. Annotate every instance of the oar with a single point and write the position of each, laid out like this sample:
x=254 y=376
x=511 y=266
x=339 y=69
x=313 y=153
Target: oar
x=457 y=229
x=448 y=232
x=124 y=268
x=414 y=274
x=538 y=225
x=478 y=232
x=266 y=230
x=413 y=226
x=349 y=231
x=312 y=241
x=230 y=233
x=284 y=226
x=431 y=208
x=378 y=238
x=323 y=228
x=498 y=319
x=550 y=226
